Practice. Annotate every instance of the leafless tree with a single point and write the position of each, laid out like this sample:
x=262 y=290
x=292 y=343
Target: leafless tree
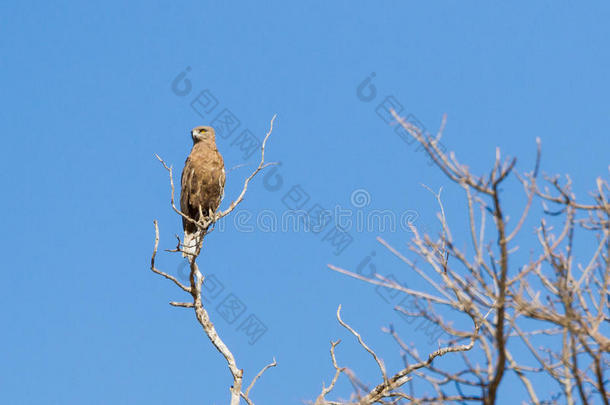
x=550 y=317
x=196 y=279
x=543 y=319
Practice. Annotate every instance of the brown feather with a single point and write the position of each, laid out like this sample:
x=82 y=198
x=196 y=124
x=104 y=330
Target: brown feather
x=203 y=180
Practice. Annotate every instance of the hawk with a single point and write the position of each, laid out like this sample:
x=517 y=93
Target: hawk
x=203 y=182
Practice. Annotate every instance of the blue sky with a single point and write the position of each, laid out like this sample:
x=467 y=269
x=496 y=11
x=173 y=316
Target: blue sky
x=87 y=101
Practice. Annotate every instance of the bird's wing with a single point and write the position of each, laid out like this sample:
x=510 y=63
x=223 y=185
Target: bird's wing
x=185 y=189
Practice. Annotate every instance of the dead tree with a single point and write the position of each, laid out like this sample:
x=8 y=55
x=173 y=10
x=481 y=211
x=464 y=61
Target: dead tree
x=196 y=279
x=549 y=297
x=550 y=317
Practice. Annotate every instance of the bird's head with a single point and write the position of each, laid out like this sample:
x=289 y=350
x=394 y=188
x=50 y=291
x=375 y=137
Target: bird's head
x=203 y=133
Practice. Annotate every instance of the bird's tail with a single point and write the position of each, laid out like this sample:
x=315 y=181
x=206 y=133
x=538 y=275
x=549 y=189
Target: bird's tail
x=189 y=244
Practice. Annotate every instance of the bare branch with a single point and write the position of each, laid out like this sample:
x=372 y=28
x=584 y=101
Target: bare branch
x=246 y=395
x=368 y=349
x=338 y=370
x=205 y=225
x=260 y=167
x=154 y=269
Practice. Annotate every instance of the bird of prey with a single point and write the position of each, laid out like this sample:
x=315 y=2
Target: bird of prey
x=203 y=182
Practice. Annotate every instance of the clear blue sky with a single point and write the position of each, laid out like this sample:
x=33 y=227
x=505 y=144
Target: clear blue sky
x=87 y=100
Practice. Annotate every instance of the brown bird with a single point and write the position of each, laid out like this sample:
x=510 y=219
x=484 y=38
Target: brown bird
x=203 y=182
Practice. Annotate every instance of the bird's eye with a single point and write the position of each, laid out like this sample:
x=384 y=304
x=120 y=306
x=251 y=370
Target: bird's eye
x=202 y=130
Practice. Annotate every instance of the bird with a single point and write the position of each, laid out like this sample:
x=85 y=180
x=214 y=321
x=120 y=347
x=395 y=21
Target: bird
x=202 y=186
